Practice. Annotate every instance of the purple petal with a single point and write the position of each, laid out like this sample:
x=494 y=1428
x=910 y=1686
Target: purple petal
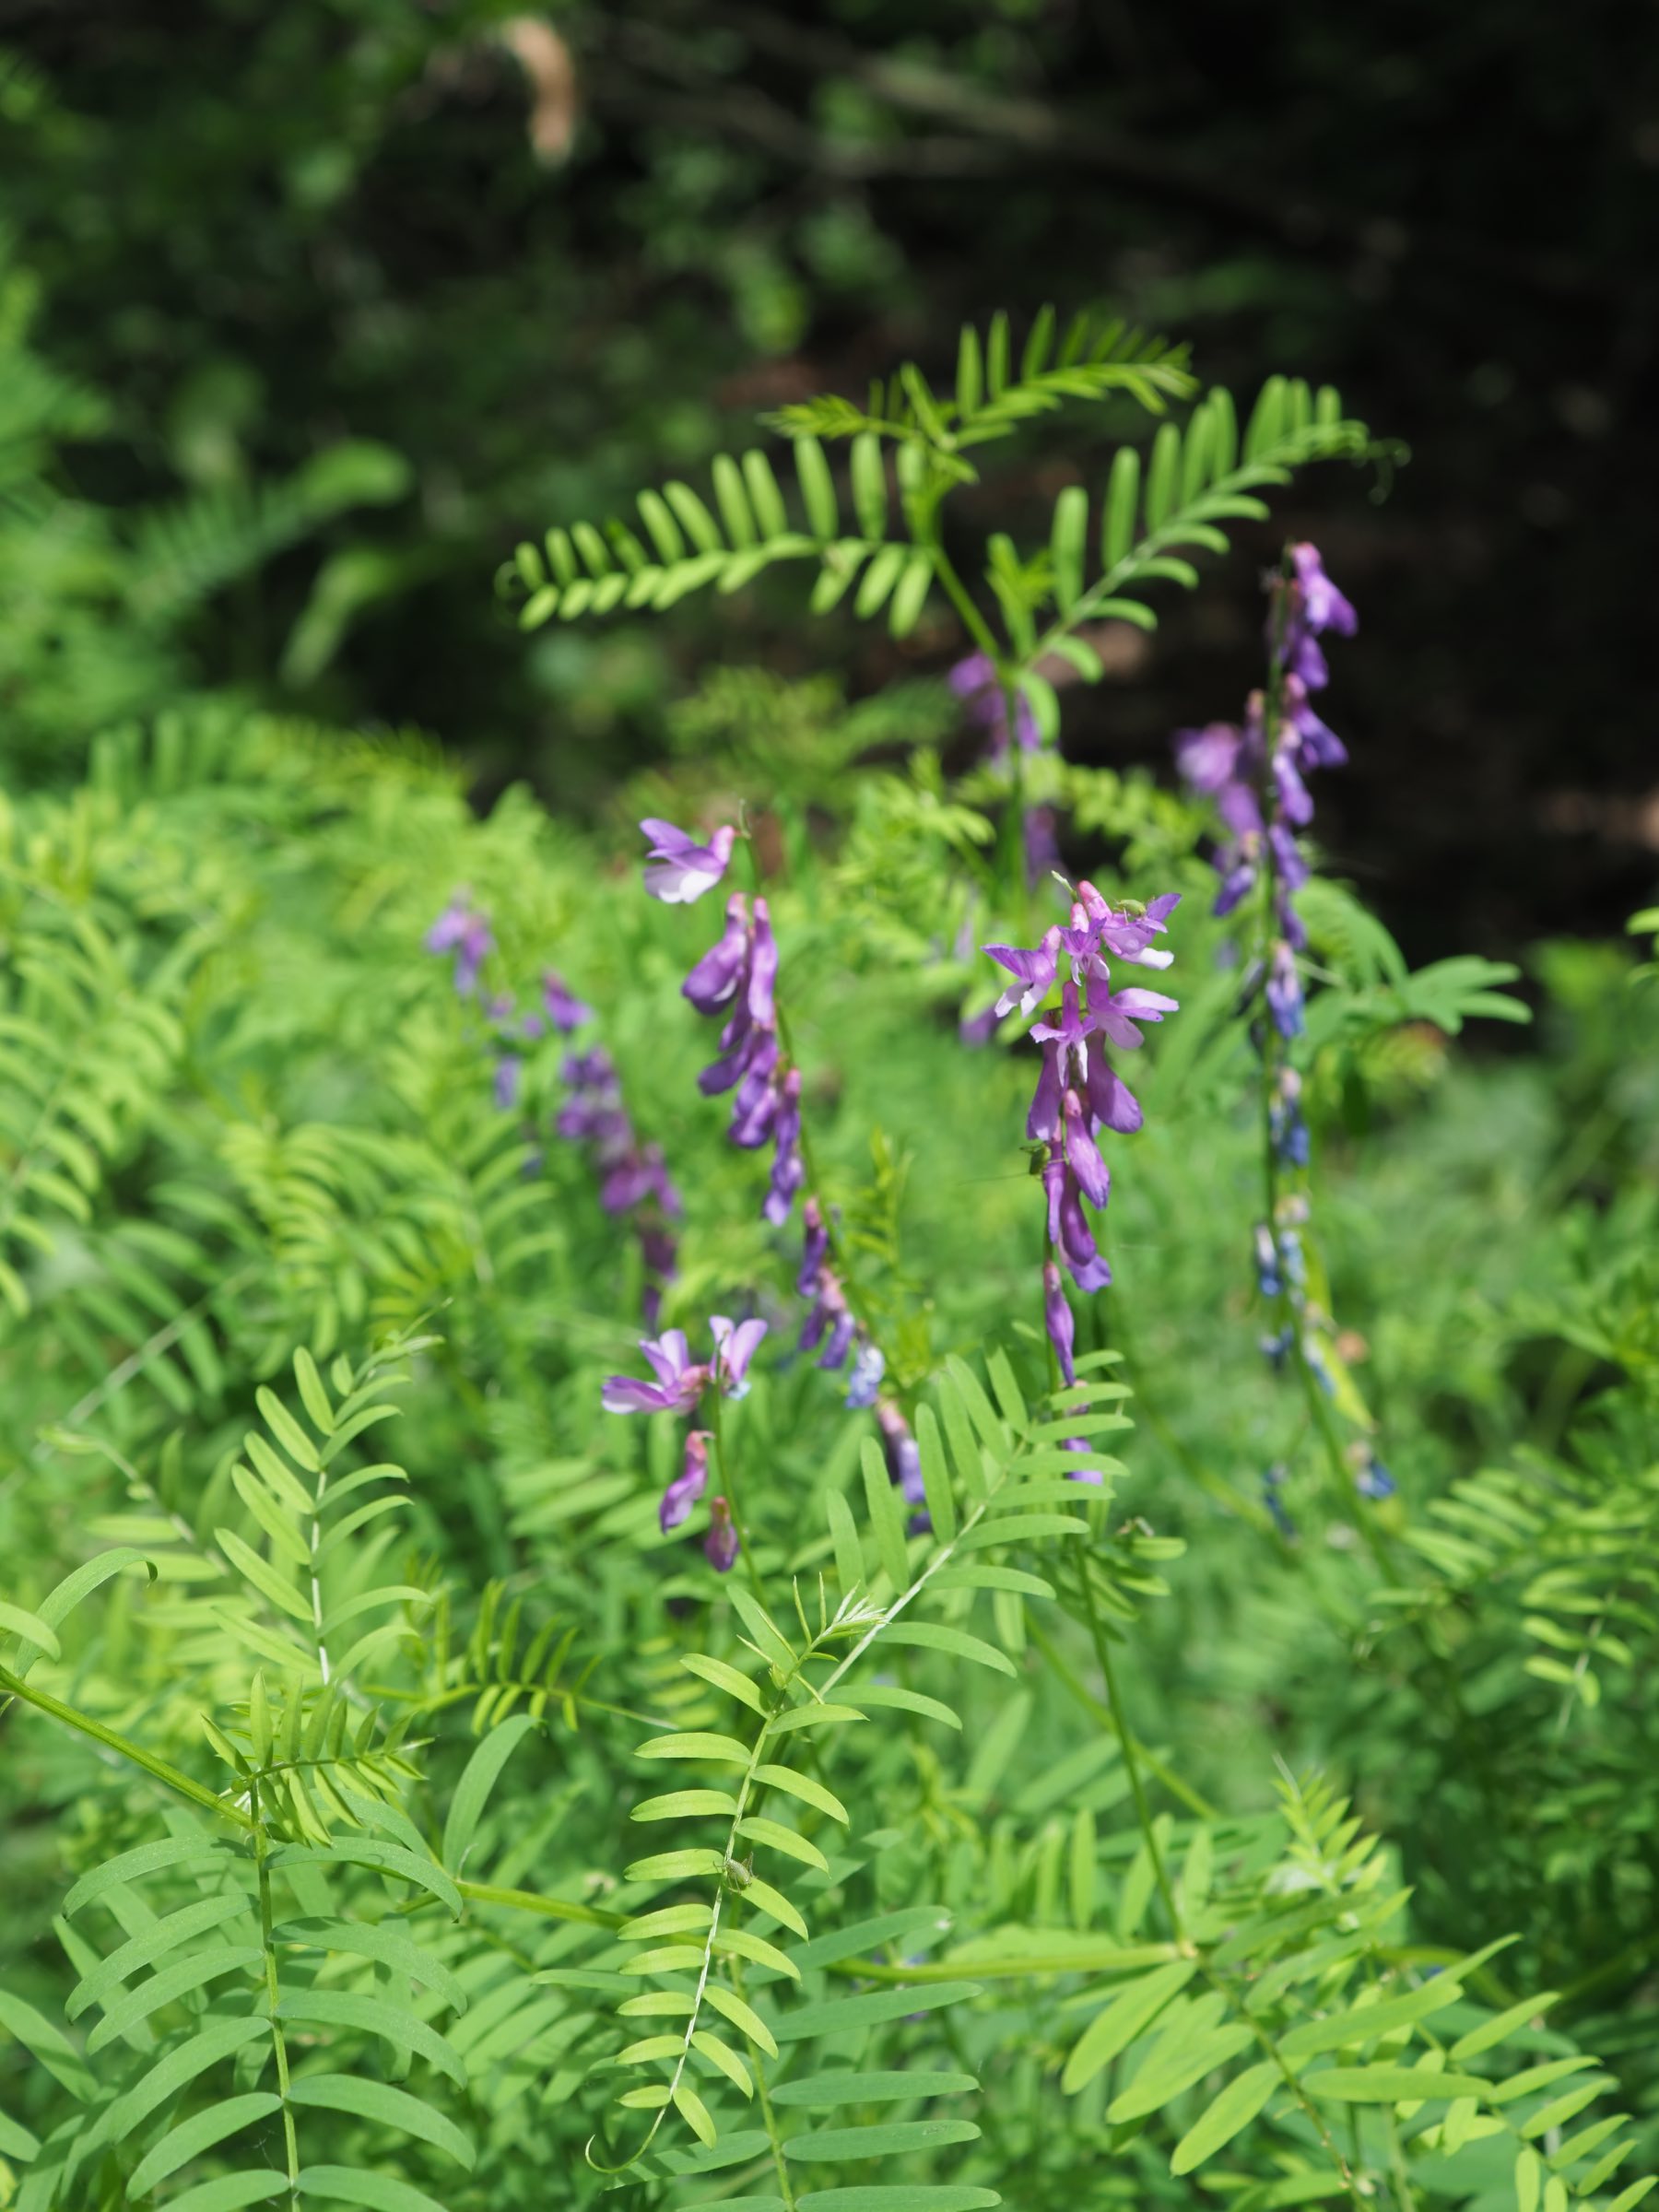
x=1057 y=1319
x=1081 y=1156
x=715 y=977
x=625 y=1394
x=679 y=869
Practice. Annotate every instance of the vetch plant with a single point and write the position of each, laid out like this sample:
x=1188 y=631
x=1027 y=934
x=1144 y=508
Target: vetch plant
x=403 y=1811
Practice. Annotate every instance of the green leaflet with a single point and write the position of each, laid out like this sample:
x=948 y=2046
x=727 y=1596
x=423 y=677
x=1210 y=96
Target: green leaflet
x=472 y=1791
x=835 y=2016
x=1128 y=2015
x=877 y=2141
x=198 y=2134
x=389 y=2107
x=1235 y=2108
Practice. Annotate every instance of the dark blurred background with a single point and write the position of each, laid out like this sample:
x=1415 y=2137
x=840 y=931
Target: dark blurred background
x=384 y=287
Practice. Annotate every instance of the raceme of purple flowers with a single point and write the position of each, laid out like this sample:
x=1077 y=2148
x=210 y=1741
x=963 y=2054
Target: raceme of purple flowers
x=733 y=982
x=678 y=1387
x=634 y=1177
x=1257 y=777
x=1078 y=1094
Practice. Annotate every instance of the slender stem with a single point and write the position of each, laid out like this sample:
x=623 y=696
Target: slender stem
x=170 y=1776
x=769 y=2117
x=1160 y=1772
x=728 y=1478
x=550 y=1908
x=1143 y=1812
x=273 y=1992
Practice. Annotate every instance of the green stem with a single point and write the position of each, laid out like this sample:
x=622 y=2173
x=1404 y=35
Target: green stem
x=1195 y=1803
x=767 y=2115
x=273 y=1992
x=728 y=1478
x=170 y=1776
x=1127 y=1743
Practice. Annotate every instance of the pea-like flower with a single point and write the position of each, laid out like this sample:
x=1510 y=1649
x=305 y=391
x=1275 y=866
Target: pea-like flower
x=464 y=931
x=679 y=869
x=689 y=1485
x=680 y=1380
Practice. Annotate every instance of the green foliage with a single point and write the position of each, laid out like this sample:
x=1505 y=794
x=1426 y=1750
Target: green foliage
x=396 y=1815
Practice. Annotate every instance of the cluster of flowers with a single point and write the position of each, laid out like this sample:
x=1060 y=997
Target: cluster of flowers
x=464 y=930
x=1254 y=773
x=976 y=684
x=680 y=1385
x=735 y=978
x=633 y=1178
x=1078 y=1093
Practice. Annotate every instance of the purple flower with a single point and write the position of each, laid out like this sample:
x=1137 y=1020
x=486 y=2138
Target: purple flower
x=564 y=1011
x=679 y=869
x=509 y=1068
x=689 y=1485
x=788 y=1173
x=1285 y=991
x=1034 y=973
x=463 y=930
x=1068 y=1228
x=715 y=978
x=1081 y=1474
x=1315 y=606
x=680 y=1380
x=1057 y=1319
x=1127 y=932
x=735 y=1347
x=904 y=1458
x=869 y=1366
x=815 y=1248
x=1116 y=1012
x=720 y=1546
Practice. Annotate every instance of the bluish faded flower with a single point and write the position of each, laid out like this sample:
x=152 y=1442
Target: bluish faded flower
x=1373 y=1479
x=1273 y=1481
x=689 y=1485
x=904 y=1458
x=864 y=1381
x=1286 y=1128
x=1283 y=991
x=463 y=930
x=721 y=1546
x=679 y=869
x=1270 y=1278
x=509 y=1069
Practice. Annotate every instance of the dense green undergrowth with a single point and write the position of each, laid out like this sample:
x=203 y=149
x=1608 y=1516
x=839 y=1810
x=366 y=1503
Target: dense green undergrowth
x=395 y=1814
